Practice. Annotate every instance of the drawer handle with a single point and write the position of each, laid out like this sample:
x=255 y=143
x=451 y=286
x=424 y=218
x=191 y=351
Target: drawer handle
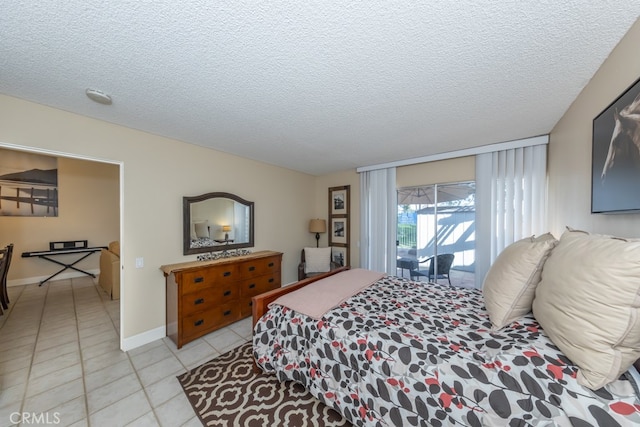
x=198 y=322
x=252 y=268
x=250 y=303
x=198 y=280
x=227 y=293
x=227 y=274
x=270 y=264
x=199 y=301
x=271 y=280
x=226 y=313
x=251 y=286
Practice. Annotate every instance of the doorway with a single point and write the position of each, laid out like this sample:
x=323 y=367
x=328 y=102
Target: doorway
x=105 y=173
x=436 y=222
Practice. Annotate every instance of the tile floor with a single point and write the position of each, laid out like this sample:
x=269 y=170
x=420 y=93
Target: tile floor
x=60 y=362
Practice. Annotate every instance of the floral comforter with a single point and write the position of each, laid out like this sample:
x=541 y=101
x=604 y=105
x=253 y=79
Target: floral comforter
x=410 y=353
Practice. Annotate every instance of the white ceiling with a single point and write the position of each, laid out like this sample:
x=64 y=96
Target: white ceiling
x=314 y=86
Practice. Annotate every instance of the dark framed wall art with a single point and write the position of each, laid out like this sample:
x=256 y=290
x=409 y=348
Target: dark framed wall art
x=339 y=205
x=28 y=184
x=615 y=168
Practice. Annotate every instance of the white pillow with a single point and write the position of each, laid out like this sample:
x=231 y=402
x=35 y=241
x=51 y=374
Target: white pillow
x=317 y=260
x=510 y=284
x=588 y=303
x=202 y=229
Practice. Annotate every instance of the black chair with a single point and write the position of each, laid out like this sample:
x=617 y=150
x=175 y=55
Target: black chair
x=444 y=266
x=7 y=253
x=3 y=263
x=404 y=263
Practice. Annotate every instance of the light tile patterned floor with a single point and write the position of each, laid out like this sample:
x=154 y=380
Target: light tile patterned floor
x=60 y=362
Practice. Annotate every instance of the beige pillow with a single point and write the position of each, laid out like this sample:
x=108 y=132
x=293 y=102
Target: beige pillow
x=588 y=303
x=202 y=229
x=510 y=284
x=317 y=260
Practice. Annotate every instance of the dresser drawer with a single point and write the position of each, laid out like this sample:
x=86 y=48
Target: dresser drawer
x=209 y=297
x=259 y=285
x=193 y=281
x=260 y=266
x=203 y=322
x=246 y=307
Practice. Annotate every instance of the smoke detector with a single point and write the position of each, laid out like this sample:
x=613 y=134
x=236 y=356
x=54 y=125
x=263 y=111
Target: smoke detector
x=98 y=96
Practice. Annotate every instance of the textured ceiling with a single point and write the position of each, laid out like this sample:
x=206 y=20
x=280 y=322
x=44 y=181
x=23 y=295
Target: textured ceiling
x=315 y=86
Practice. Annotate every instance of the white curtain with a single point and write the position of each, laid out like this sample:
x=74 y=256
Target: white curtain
x=511 y=194
x=378 y=218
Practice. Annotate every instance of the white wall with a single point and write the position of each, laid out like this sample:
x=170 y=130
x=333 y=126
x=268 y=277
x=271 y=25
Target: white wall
x=157 y=173
x=569 y=162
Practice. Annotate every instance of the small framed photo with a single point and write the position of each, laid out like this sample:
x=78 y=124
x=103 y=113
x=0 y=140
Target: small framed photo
x=338 y=230
x=339 y=200
x=339 y=255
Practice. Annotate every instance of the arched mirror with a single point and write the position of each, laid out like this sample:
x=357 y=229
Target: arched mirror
x=216 y=222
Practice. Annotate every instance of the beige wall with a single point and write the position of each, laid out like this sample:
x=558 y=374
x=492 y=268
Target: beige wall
x=88 y=209
x=440 y=172
x=570 y=147
x=157 y=173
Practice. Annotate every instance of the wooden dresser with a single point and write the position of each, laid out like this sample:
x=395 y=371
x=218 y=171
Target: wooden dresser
x=203 y=296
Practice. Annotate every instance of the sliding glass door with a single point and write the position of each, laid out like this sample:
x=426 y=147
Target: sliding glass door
x=436 y=233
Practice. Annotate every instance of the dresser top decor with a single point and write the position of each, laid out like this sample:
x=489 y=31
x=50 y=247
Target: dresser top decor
x=172 y=268
x=222 y=254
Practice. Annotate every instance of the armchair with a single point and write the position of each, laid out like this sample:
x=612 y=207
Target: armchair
x=316 y=261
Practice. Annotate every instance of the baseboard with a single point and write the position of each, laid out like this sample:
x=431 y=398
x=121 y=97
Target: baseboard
x=61 y=276
x=143 y=338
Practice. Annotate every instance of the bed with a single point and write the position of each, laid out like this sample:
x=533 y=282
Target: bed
x=401 y=352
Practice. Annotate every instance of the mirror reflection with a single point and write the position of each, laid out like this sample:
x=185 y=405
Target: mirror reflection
x=217 y=221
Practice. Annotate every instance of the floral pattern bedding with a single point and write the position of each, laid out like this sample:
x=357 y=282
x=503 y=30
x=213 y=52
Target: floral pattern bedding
x=410 y=353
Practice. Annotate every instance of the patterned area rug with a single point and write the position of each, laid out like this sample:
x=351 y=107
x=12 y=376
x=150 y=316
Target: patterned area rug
x=226 y=392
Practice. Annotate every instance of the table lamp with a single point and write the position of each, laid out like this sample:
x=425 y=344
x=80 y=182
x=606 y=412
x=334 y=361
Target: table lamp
x=317 y=226
x=226 y=229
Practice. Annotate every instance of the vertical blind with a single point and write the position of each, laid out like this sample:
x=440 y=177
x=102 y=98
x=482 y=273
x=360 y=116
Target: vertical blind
x=378 y=220
x=510 y=201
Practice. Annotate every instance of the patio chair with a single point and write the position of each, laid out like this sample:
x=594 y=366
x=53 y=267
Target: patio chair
x=444 y=266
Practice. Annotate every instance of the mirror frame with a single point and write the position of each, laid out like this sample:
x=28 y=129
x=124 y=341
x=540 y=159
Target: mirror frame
x=186 y=226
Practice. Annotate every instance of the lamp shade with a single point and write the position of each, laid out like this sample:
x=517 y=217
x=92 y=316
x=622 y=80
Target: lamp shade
x=226 y=228
x=317 y=226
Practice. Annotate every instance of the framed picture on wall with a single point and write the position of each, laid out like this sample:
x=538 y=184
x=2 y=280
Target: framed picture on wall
x=339 y=256
x=339 y=205
x=338 y=230
x=615 y=168
x=339 y=200
x=28 y=184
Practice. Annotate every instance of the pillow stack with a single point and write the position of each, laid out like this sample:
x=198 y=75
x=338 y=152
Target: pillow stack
x=510 y=284
x=588 y=303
